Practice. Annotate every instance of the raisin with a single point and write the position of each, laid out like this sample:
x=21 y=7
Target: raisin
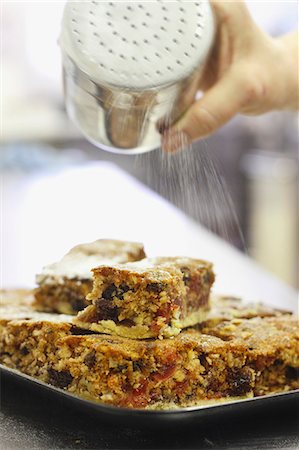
x=203 y=361
x=90 y=359
x=214 y=384
x=127 y=323
x=24 y=351
x=124 y=287
x=186 y=274
x=292 y=373
x=208 y=278
x=137 y=365
x=106 y=310
x=155 y=287
x=78 y=304
x=240 y=381
x=79 y=332
x=109 y=292
x=60 y=379
x=277 y=362
x=121 y=290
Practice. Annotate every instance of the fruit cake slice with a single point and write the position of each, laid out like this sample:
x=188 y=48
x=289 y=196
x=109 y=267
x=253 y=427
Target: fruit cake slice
x=187 y=370
x=28 y=339
x=64 y=285
x=151 y=298
x=230 y=360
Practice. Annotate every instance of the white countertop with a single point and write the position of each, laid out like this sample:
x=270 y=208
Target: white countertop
x=45 y=215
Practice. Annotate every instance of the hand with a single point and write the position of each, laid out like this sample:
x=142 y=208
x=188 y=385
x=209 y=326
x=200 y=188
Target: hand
x=247 y=72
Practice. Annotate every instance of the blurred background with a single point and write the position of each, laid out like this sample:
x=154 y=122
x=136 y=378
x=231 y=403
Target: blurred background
x=245 y=187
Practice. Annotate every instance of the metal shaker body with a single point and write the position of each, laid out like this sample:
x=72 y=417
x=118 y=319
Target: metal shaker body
x=129 y=66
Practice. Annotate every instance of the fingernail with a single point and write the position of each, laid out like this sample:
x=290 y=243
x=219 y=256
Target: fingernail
x=175 y=140
x=162 y=127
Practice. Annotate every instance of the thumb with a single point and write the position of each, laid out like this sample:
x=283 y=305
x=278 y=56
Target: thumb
x=217 y=106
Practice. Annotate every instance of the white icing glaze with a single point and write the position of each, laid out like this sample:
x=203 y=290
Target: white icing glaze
x=71 y=266
x=79 y=261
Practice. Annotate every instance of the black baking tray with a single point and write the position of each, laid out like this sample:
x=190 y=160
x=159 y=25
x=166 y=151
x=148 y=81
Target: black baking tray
x=147 y=417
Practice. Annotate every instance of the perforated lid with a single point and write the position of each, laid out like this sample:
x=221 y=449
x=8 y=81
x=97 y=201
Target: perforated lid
x=137 y=44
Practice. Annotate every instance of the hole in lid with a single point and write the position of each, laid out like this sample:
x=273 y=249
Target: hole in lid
x=166 y=19
x=186 y=54
x=129 y=8
x=111 y=4
x=133 y=25
x=140 y=6
x=158 y=55
x=122 y=56
x=193 y=46
x=167 y=49
x=112 y=70
x=115 y=33
x=175 y=41
x=102 y=43
x=102 y=65
x=110 y=24
x=164 y=8
x=75 y=31
x=91 y=13
x=148 y=14
x=124 y=39
x=158 y=72
x=92 y=24
x=180 y=31
x=162 y=29
x=156 y=36
x=125 y=18
x=197 y=35
x=169 y=68
x=135 y=42
x=182 y=10
x=95 y=34
x=74 y=20
x=145 y=41
x=178 y=62
x=144 y=24
x=110 y=50
x=79 y=41
x=146 y=58
x=133 y=58
x=108 y=14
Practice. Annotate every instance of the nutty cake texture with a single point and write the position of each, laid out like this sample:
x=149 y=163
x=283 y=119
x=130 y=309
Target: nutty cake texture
x=151 y=298
x=231 y=359
x=28 y=338
x=271 y=345
x=63 y=286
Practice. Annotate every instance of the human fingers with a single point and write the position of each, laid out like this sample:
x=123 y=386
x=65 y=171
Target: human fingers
x=217 y=106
